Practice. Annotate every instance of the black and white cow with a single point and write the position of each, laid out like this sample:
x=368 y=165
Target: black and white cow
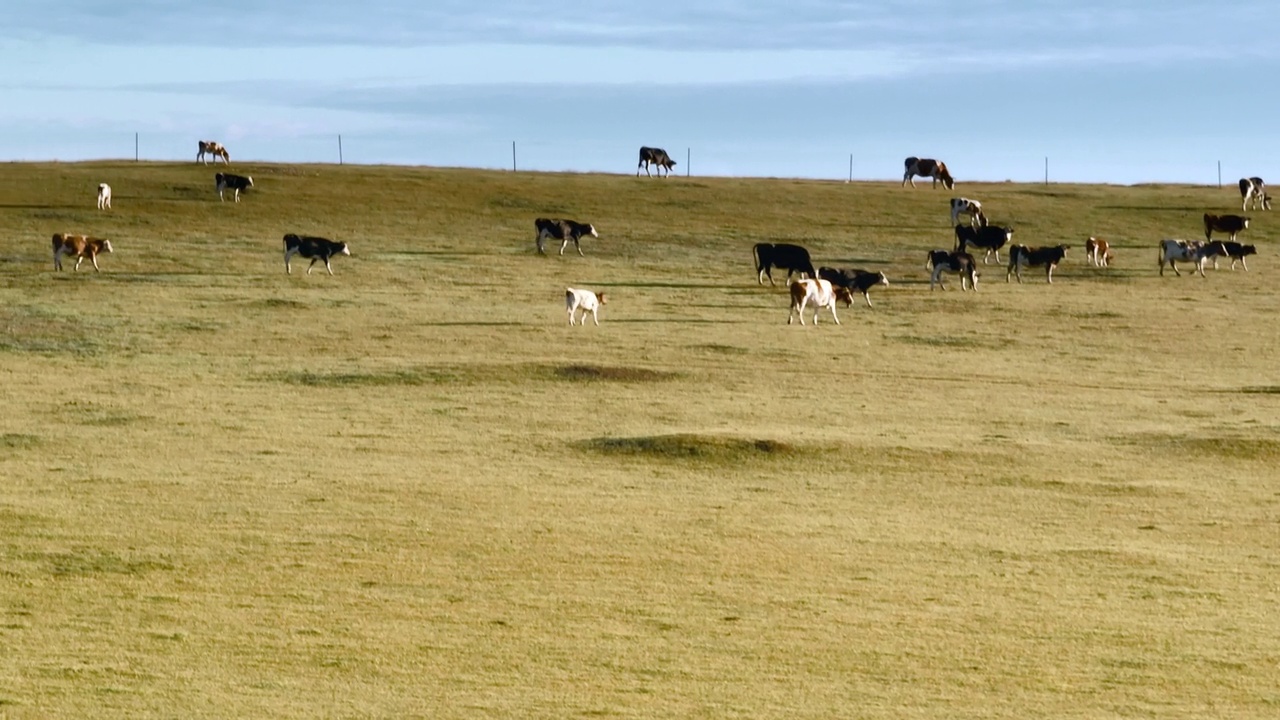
x=1233 y=250
x=956 y=263
x=793 y=258
x=966 y=206
x=1171 y=251
x=988 y=237
x=926 y=167
x=1253 y=189
x=227 y=181
x=654 y=156
x=1231 y=224
x=1021 y=256
x=854 y=279
x=565 y=231
x=315 y=248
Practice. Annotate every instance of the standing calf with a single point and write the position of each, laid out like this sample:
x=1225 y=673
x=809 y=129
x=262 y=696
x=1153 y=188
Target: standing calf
x=819 y=292
x=589 y=302
x=1021 y=256
x=315 y=248
x=104 y=196
x=1097 y=251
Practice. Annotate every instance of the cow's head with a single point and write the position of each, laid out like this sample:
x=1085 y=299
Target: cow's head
x=602 y=298
x=883 y=280
x=106 y=246
x=947 y=181
x=591 y=230
x=1248 y=250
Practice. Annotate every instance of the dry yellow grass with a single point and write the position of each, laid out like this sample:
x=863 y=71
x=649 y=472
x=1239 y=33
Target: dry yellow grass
x=412 y=490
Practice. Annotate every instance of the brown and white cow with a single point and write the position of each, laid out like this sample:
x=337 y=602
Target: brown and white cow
x=1231 y=224
x=1021 y=256
x=79 y=246
x=1097 y=251
x=211 y=148
x=927 y=167
x=818 y=292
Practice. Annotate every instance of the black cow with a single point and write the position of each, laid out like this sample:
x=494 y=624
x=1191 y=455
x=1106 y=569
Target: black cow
x=988 y=237
x=961 y=263
x=781 y=255
x=655 y=156
x=1230 y=224
x=564 y=231
x=854 y=279
x=1233 y=250
x=315 y=248
x=227 y=181
x=1021 y=256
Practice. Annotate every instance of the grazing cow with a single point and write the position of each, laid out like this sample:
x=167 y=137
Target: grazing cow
x=587 y=301
x=104 y=196
x=956 y=262
x=1021 y=256
x=781 y=255
x=854 y=280
x=972 y=208
x=213 y=149
x=80 y=246
x=1233 y=250
x=925 y=167
x=315 y=248
x=1253 y=189
x=1097 y=251
x=1171 y=251
x=1230 y=224
x=563 y=230
x=821 y=294
x=654 y=156
x=227 y=181
x=988 y=237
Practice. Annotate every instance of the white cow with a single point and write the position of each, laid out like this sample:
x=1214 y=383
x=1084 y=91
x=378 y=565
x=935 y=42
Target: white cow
x=1192 y=251
x=104 y=196
x=587 y=301
x=821 y=293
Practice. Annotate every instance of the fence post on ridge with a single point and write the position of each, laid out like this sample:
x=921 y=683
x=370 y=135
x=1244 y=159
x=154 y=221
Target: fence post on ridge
x=135 y=150
x=1219 y=174
x=339 y=148
x=850 y=168
x=513 y=156
x=687 y=154
x=1046 y=169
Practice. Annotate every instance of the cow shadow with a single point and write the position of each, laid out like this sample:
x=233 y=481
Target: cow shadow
x=669 y=285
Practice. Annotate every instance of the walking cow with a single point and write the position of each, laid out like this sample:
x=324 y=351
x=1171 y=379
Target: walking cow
x=654 y=156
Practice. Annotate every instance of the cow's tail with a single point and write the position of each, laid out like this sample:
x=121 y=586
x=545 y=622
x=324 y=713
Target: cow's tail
x=755 y=255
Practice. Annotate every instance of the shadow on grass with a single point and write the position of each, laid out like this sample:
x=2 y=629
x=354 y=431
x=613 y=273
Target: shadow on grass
x=471 y=374
x=690 y=447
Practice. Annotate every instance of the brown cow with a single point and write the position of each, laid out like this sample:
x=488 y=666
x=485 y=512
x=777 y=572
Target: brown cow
x=79 y=246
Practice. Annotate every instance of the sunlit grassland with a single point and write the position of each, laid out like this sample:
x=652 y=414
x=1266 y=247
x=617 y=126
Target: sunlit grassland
x=411 y=489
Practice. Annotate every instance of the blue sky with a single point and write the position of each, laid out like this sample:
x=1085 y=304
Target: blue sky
x=1115 y=91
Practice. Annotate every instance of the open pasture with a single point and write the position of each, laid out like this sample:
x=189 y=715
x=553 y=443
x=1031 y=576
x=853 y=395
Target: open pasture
x=412 y=490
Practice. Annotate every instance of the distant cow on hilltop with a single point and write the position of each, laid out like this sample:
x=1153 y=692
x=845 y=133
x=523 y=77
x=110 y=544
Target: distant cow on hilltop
x=209 y=147
x=654 y=156
x=926 y=167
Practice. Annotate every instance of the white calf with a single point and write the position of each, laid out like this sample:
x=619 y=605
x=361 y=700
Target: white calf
x=585 y=300
x=965 y=206
x=819 y=292
x=104 y=196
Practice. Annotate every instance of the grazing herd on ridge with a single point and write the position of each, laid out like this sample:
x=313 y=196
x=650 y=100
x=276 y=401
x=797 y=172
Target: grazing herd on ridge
x=816 y=287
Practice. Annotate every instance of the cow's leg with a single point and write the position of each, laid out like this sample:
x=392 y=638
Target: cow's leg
x=94 y=259
x=79 y=259
x=312 y=265
x=577 y=246
x=1174 y=265
x=327 y=267
x=563 y=245
x=57 y=260
x=867 y=296
x=1048 y=273
x=237 y=194
x=1243 y=264
x=833 y=314
x=594 y=317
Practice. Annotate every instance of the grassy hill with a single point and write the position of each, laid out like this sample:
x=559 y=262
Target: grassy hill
x=412 y=490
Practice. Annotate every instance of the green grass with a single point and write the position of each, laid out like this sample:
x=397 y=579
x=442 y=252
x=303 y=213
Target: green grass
x=412 y=490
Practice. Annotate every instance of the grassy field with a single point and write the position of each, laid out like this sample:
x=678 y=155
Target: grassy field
x=412 y=490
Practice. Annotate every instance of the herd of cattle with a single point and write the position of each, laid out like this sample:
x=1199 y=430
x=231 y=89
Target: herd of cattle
x=820 y=287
